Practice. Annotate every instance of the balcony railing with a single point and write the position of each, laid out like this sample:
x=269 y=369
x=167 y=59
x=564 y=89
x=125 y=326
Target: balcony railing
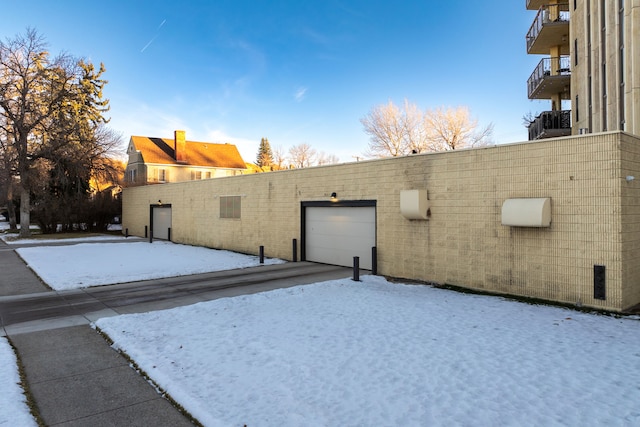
x=550 y=71
x=551 y=14
x=550 y=124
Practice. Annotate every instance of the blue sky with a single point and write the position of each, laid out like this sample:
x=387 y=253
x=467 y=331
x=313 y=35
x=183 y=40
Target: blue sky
x=292 y=71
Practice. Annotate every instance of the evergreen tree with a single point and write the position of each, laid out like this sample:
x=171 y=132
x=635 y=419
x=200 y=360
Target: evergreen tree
x=265 y=156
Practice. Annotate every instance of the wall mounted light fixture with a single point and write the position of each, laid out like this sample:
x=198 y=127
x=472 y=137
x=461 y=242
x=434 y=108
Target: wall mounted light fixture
x=159 y=202
x=334 y=197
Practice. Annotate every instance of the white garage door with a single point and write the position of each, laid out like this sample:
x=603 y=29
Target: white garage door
x=161 y=222
x=334 y=235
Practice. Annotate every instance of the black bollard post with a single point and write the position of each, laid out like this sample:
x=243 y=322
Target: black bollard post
x=295 y=250
x=169 y=234
x=356 y=269
x=374 y=261
x=150 y=236
x=261 y=254
x=146 y=227
x=126 y=232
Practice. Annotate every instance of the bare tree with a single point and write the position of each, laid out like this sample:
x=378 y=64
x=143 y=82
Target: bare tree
x=386 y=126
x=326 y=159
x=8 y=184
x=453 y=129
x=302 y=155
x=528 y=119
x=279 y=157
x=103 y=157
x=399 y=132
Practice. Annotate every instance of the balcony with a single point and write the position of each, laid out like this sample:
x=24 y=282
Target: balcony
x=552 y=76
x=549 y=29
x=550 y=124
x=536 y=4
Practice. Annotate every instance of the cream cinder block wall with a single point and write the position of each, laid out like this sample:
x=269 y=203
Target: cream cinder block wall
x=630 y=218
x=595 y=215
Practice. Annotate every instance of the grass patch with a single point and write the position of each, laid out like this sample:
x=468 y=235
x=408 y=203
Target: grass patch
x=31 y=403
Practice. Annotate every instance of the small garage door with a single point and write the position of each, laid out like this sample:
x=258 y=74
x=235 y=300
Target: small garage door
x=334 y=235
x=161 y=222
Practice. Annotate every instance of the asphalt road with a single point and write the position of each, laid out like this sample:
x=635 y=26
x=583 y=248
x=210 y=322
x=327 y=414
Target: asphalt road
x=48 y=310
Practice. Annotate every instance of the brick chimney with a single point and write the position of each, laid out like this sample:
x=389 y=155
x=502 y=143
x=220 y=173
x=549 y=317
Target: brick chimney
x=180 y=146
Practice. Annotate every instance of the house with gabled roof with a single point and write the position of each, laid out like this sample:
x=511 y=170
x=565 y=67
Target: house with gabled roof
x=160 y=160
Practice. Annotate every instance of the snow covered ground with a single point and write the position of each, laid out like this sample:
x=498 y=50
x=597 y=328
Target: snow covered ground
x=373 y=353
x=13 y=404
x=91 y=264
x=370 y=353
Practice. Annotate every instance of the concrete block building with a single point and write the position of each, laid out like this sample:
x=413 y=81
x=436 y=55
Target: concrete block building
x=461 y=218
x=556 y=218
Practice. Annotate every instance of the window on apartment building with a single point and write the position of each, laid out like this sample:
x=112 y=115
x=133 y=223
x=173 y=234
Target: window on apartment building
x=575 y=52
x=621 y=40
x=589 y=64
x=604 y=97
x=590 y=103
x=577 y=109
x=230 y=206
x=603 y=58
x=575 y=4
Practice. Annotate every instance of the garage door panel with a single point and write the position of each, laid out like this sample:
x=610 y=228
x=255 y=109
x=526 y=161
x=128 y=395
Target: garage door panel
x=161 y=222
x=334 y=235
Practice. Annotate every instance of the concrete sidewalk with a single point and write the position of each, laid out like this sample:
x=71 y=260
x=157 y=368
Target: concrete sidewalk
x=77 y=379
x=74 y=377
x=16 y=278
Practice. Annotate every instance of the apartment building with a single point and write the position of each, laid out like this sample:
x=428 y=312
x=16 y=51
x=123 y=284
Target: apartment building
x=590 y=69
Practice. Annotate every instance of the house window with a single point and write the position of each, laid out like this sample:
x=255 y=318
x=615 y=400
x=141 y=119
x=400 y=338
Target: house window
x=230 y=206
x=195 y=175
x=132 y=175
x=161 y=175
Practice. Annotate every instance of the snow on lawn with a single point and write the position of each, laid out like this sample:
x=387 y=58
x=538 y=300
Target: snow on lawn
x=13 y=404
x=373 y=353
x=92 y=264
